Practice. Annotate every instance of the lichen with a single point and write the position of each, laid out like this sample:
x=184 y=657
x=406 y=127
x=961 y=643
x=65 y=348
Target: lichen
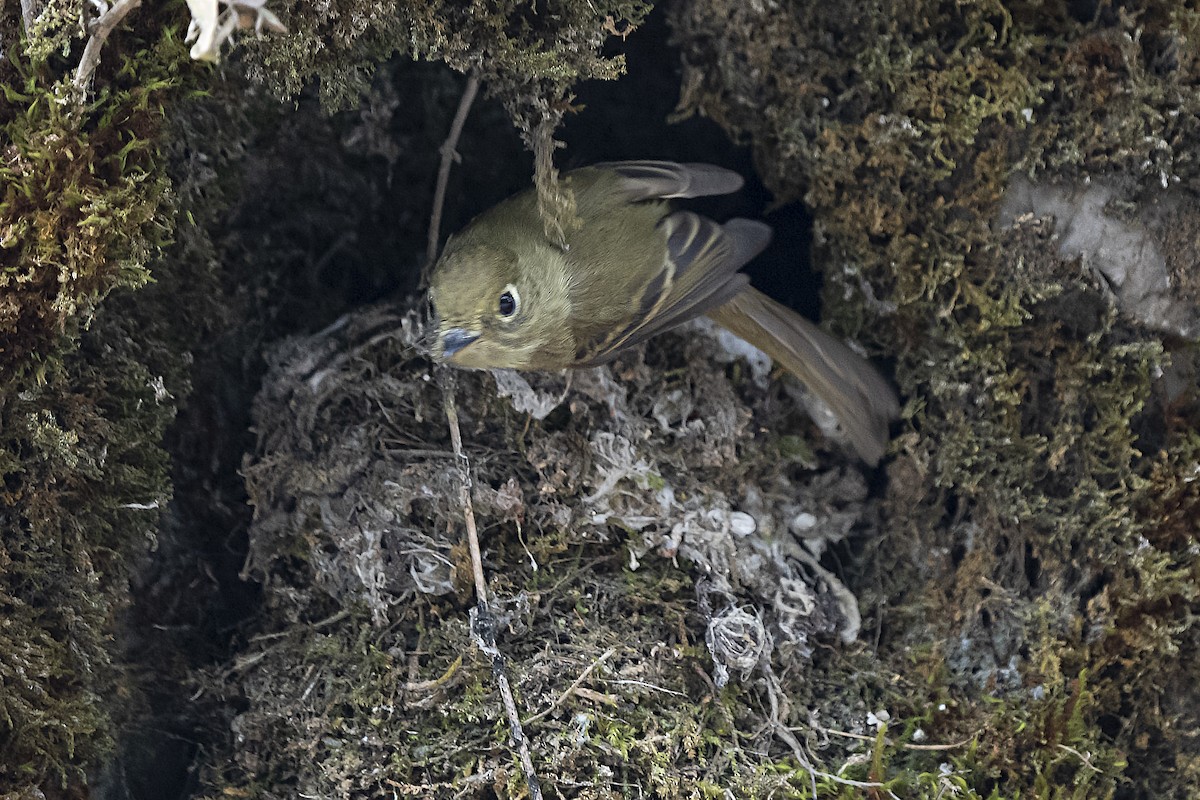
x=1020 y=503
x=587 y=512
x=527 y=56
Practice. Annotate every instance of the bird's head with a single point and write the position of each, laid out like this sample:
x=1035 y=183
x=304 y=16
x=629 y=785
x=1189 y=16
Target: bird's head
x=491 y=313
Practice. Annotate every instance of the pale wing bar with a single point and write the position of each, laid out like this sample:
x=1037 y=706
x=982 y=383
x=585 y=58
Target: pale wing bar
x=699 y=274
x=646 y=180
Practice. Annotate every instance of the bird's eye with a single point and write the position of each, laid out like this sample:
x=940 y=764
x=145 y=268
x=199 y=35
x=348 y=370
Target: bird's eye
x=508 y=301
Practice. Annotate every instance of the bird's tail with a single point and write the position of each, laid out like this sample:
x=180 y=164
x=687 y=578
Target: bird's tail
x=861 y=399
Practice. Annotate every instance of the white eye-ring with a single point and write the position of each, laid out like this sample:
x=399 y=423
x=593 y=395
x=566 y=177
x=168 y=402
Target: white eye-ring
x=510 y=301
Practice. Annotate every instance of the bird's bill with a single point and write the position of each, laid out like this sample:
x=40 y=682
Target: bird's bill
x=454 y=340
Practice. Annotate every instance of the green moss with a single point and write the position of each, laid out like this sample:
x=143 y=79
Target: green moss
x=1039 y=579
x=83 y=203
x=82 y=500
x=342 y=704
x=84 y=398
x=1032 y=479
x=528 y=57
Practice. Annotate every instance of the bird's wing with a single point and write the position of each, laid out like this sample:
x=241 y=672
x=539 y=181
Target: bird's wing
x=699 y=273
x=646 y=180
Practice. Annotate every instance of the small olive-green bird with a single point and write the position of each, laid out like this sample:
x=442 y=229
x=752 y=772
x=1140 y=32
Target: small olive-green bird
x=504 y=295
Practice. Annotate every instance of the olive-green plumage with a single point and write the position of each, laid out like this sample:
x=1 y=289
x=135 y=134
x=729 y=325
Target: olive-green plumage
x=505 y=296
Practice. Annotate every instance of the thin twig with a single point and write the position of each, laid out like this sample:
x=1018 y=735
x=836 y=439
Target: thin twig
x=1087 y=762
x=704 y=676
x=774 y=693
x=905 y=745
x=483 y=622
x=574 y=686
x=449 y=155
x=514 y=726
x=464 y=491
x=646 y=685
x=99 y=29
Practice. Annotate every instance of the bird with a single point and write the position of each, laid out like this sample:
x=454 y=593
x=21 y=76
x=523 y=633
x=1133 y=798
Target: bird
x=504 y=295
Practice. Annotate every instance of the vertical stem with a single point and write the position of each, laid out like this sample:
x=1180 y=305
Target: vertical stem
x=449 y=154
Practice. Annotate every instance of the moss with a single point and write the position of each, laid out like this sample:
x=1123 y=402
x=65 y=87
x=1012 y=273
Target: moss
x=1037 y=585
x=81 y=502
x=83 y=205
x=84 y=398
x=341 y=718
x=524 y=55
x=1030 y=477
